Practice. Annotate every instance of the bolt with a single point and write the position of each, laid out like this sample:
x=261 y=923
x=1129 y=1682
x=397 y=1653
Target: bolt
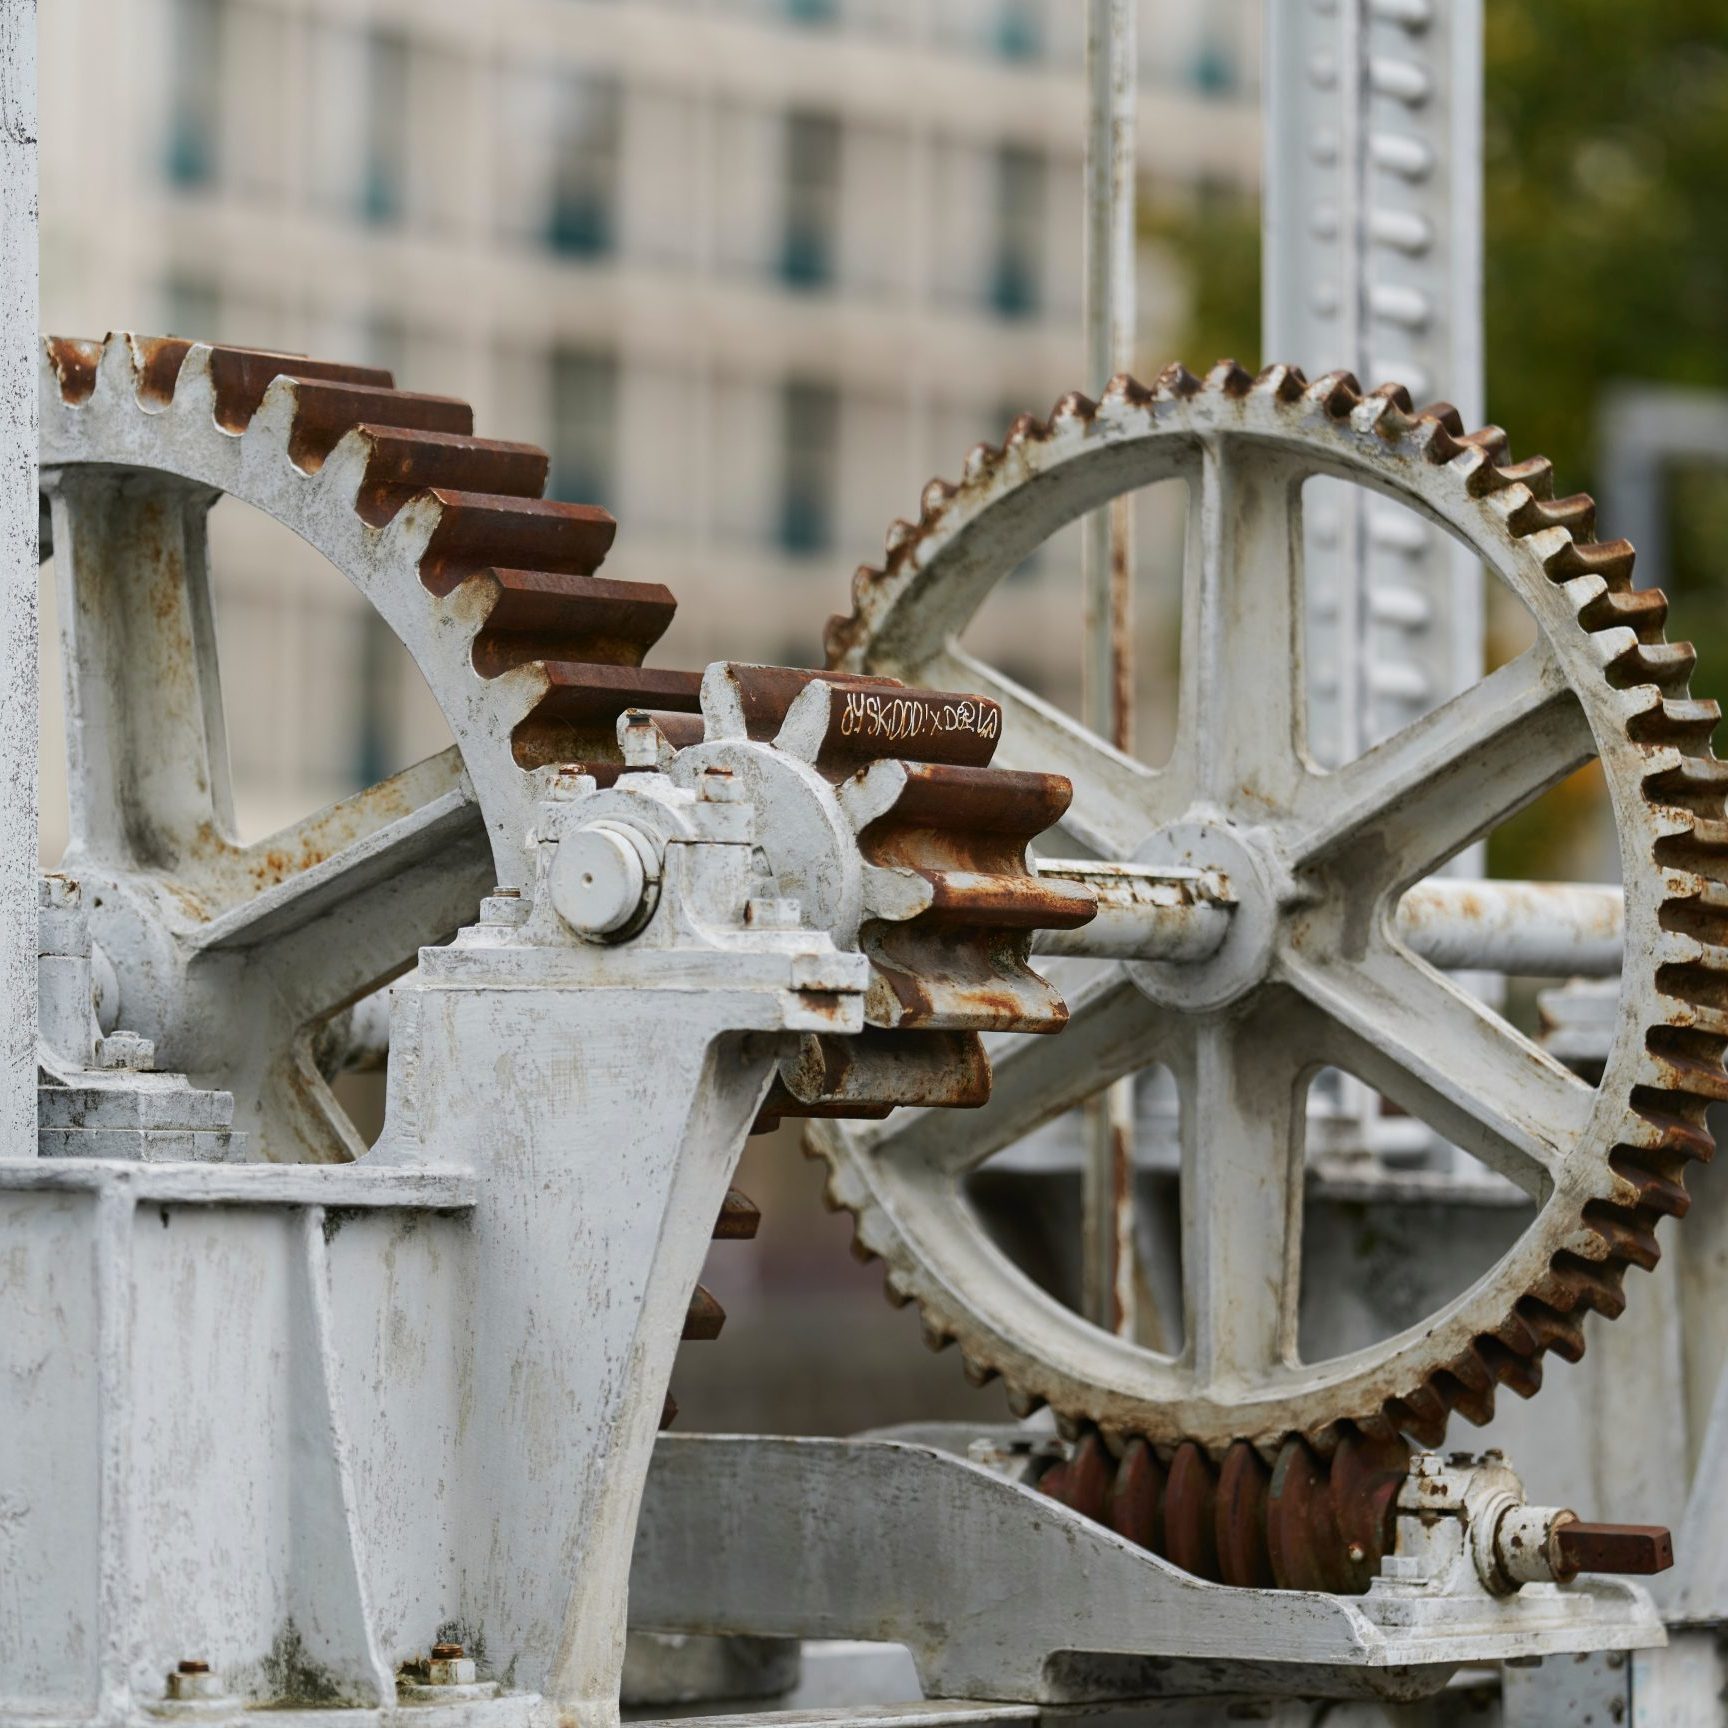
x=718 y=786
x=193 y=1680
x=57 y=893
x=639 y=739
x=565 y=782
x=771 y=914
x=449 y=1666
x=126 y=1050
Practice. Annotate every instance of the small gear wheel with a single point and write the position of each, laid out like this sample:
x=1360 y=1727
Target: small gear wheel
x=1311 y=973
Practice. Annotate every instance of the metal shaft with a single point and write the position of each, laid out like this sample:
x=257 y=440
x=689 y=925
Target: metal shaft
x=1538 y=929
x=1107 y=566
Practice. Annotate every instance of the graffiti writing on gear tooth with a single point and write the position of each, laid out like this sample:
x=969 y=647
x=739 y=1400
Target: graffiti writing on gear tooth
x=895 y=719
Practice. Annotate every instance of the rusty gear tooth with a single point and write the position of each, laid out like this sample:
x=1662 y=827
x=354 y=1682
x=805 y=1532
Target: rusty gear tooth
x=1335 y=394
x=1243 y=1483
x=1126 y=391
x=1082 y=1482
x=1176 y=384
x=74 y=363
x=1229 y=379
x=935 y=499
x=704 y=1318
x=1612 y=560
x=1282 y=383
x=739 y=1218
x=1135 y=1509
x=1022 y=429
x=1072 y=409
x=1191 y=1513
x=1023 y=1404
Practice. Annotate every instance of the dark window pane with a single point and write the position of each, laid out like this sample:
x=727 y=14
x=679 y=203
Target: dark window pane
x=812 y=200
x=1017 y=271
x=194 y=104
x=584 y=414
x=810 y=432
x=582 y=222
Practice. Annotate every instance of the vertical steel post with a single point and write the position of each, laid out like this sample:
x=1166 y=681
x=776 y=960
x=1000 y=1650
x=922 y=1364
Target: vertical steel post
x=1372 y=230
x=18 y=719
x=1107 y=574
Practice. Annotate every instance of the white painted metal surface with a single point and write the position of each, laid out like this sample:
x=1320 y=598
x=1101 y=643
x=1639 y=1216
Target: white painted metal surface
x=18 y=520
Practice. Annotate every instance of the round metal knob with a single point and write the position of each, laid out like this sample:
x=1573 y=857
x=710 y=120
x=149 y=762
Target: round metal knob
x=599 y=881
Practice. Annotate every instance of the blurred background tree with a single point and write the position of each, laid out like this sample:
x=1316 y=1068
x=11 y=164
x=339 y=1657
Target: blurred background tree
x=1605 y=181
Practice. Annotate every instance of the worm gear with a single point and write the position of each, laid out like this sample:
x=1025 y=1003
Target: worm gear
x=1312 y=973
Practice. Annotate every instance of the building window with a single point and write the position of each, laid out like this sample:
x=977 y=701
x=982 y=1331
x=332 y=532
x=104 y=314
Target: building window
x=195 y=82
x=584 y=426
x=384 y=169
x=1212 y=71
x=1018 y=32
x=582 y=222
x=810 y=463
x=812 y=180
x=1018 y=266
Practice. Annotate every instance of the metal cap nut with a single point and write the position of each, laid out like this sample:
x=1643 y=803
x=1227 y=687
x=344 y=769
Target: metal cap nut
x=599 y=881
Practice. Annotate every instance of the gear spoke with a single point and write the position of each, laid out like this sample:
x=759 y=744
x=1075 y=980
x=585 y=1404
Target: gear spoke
x=1112 y=1030
x=1439 y=1053
x=341 y=925
x=1238 y=739
x=1405 y=807
x=148 y=748
x=1238 y=1079
x=1117 y=801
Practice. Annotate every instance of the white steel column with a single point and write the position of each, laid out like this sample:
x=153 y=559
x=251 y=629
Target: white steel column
x=18 y=718
x=1373 y=264
x=1107 y=576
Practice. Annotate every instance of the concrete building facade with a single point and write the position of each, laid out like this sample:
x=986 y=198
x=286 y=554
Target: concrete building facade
x=752 y=270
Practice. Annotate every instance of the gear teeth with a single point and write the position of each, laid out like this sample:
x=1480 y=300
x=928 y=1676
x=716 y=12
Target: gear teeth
x=1023 y=1404
x=476 y=531
x=739 y=1218
x=1071 y=411
x=1281 y=383
x=937 y=1337
x=703 y=1319
x=544 y=615
x=1229 y=379
x=1176 y=384
x=1125 y=391
x=402 y=460
x=950 y=900
x=1335 y=394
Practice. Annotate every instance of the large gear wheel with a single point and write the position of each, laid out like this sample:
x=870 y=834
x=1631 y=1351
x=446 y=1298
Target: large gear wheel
x=232 y=958
x=1312 y=973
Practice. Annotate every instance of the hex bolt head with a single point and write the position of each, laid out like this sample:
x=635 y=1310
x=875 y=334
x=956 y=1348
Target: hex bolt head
x=193 y=1680
x=599 y=884
x=449 y=1666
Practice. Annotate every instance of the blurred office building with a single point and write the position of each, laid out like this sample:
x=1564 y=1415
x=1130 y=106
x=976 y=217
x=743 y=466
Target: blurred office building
x=752 y=271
